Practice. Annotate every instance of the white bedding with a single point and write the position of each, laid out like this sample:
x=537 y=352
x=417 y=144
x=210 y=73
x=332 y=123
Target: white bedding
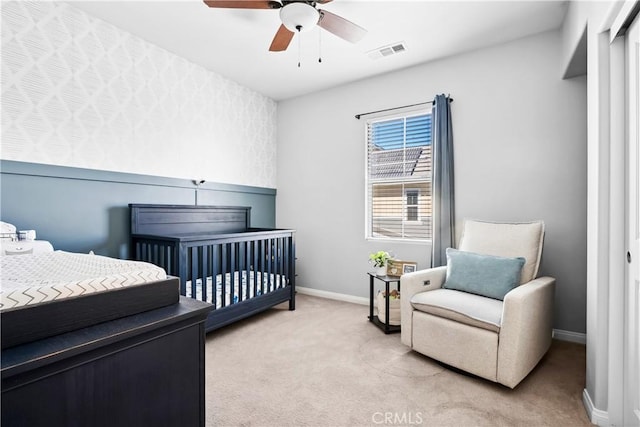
x=270 y=283
x=33 y=279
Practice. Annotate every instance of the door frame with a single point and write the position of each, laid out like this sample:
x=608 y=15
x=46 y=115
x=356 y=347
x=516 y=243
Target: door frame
x=631 y=388
x=618 y=232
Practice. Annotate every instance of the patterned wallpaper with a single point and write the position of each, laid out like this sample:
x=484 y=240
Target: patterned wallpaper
x=77 y=91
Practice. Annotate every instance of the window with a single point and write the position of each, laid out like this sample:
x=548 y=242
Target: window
x=398 y=181
x=412 y=205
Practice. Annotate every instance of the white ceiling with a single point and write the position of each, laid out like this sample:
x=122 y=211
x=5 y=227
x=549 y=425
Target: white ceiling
x=235 y=42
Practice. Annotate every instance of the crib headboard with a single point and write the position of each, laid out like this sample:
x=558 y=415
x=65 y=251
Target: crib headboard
x=163 y=220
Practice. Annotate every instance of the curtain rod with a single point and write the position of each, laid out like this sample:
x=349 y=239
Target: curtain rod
x=397 y=108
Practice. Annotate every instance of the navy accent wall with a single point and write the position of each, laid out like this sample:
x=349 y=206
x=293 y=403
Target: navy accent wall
x=82 y=210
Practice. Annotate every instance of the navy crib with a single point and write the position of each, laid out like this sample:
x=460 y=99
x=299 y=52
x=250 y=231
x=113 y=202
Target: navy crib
x=218 y=257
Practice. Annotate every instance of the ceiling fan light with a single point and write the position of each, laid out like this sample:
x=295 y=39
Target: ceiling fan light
x=299 y=17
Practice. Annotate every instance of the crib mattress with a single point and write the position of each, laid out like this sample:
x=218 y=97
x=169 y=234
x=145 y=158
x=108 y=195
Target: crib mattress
x=258 y=284
x=51 y=293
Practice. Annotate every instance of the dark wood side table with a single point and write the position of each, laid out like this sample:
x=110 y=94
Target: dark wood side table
x=386 y=327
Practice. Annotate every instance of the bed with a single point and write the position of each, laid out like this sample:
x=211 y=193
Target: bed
x=218 y=257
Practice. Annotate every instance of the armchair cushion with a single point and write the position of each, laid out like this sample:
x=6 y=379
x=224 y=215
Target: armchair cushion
x=462 y=307
x=523 y=239
x=486 y=275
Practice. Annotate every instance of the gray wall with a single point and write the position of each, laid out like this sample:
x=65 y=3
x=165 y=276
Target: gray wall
x=520 y=154
x=80 y=210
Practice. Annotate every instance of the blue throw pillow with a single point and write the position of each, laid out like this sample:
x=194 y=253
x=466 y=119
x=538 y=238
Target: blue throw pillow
x=486 y=275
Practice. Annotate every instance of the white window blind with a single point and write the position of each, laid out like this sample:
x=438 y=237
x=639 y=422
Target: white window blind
x=398 y=181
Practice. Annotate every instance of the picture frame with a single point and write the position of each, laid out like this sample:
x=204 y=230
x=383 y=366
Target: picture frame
x=396 y=267
x=409 y=268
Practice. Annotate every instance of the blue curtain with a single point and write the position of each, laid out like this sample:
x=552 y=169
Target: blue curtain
x=442 y=182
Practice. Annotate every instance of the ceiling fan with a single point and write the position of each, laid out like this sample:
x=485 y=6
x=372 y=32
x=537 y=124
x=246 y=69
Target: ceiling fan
x=297 y=16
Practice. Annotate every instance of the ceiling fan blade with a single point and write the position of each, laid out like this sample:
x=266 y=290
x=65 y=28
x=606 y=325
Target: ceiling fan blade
x=323 y=1
x=341 y=27
x=281 y=40
x=244 y=4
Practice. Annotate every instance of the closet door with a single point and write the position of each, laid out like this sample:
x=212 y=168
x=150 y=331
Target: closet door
x=632 y=291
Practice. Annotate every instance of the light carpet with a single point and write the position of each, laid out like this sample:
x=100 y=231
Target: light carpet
x=325 y=364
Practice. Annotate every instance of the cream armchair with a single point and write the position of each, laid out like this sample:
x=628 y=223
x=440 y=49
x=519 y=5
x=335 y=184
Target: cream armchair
x=500 y=340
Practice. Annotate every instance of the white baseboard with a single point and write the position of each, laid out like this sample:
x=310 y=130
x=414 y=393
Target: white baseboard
x=332 y=295
x=596 y=416
x=558 y=334
x=577 y=337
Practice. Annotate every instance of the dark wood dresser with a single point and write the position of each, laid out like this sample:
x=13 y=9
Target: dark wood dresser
x=142 y=370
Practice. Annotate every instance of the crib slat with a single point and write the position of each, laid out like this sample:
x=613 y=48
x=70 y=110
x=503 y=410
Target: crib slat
x=143 y=251
x=250 y=270
x=237 y=282
x=152 y=258
x=215 y=262
x=184 y=259
x=280 y=261
x=156 y=254
x=237 y=271
x=247 y=269
x=261 y=255
x=203 y=271
x=274 y=263
x=255 y=266
x=193 y=262
x=270 y=264
x=167 y=260
x=232 y=269
x=223 y=274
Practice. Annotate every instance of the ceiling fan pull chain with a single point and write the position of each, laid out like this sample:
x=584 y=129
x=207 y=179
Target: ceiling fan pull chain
x=319 y=46
x=299 y=28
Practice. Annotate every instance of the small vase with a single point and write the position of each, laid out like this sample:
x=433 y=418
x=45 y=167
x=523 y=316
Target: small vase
x=381 y=271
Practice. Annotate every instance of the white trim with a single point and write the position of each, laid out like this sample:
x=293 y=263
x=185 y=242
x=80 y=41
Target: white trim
x=391 y=240
x=410 y=111
x=609 y=22
x=558 y=334
x=596 y=416
x=333 y=295
x=625 y=15
x=570 y=336
x=617 y=236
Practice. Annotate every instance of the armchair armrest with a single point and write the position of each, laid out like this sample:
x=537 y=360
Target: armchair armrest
x=525 y=334
x=411 y=284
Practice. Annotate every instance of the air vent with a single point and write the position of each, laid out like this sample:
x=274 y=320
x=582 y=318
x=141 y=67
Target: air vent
x=388 y=50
